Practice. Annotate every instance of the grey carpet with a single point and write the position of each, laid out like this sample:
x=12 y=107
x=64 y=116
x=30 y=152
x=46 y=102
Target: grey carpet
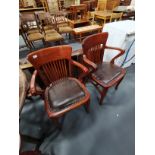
x=107 y=130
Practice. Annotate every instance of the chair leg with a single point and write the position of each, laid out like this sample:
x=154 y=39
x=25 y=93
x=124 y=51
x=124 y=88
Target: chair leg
x=116 y=87
x=57 y=123
x=103 y=94
x=87 y=106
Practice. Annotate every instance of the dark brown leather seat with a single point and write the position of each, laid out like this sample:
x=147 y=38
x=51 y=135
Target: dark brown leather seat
x=59 y=97
x=106 y=72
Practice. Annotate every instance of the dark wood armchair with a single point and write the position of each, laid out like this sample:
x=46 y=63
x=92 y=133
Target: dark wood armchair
x=62 y=91
x=103 y=74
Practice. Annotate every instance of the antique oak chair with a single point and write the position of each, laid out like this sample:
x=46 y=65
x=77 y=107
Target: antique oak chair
x=62 y=92
x=103 y=74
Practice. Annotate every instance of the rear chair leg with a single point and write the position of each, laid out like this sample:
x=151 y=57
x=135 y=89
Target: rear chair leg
x=87 y=106
x=103 y=94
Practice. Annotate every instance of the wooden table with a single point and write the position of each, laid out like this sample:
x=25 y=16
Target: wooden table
x=104 y=15
x=85 y=29
x=78 y=22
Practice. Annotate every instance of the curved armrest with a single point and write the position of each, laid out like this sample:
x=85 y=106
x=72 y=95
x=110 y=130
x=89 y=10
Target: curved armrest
x=33 y=89
x=118 y=55
x=89 y=63
x=83 y=68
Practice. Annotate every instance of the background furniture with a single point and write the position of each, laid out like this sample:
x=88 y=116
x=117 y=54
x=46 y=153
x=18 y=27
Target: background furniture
x=116 y=17
x=128 y=11
x=30 y=28
x=83 y=30
x=63 y=23
x=103 y=74
x=102 y=15
x=63 y=92
x=122 y=35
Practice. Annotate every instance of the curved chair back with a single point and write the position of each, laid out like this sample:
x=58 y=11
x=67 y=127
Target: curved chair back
x=52 y=63
x=94 y=45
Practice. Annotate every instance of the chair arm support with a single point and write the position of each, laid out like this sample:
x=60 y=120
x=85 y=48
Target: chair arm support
x=89 y=63
x=121 y=52
x=83 y=68
x=33 y=90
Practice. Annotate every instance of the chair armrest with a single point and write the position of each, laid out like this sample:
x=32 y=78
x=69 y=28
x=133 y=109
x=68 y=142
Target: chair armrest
x=85 y=70
x=33 y=89
x=121 y=52
x=89 y=63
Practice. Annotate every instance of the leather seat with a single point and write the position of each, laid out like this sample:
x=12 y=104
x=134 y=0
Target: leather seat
x=106 y=72
x=64 y=93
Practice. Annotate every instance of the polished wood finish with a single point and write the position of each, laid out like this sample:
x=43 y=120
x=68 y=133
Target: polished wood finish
x=51 y=65
x=93 y=49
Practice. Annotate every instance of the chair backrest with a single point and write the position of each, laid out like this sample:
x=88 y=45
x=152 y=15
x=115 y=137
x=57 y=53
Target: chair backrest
x=101 y=6
x=45 y=18
x=52 y=63
x=28 y=21
x=94 y=45
x=60 y=18
x=116 y=16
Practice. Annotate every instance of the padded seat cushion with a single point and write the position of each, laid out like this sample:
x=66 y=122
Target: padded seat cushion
x=35 y=36
x=48 y=27
x=53 y=37
x=65 y=29
x=51 y=31
x=65 y=92
x=106 y=72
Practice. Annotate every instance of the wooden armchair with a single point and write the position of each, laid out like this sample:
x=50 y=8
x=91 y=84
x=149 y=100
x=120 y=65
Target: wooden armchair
x=116 y=16
x=102 y=74
x=62 y=91
x=31 y=29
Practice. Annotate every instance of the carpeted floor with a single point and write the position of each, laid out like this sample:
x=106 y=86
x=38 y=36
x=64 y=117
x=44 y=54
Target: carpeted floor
x=107 y=130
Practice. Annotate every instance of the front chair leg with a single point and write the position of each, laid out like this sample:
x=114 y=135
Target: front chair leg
x=87 y=106
x=103 y=94
x=116 y=87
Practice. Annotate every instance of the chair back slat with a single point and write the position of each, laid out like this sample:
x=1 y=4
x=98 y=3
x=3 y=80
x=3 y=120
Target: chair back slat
x=94 y=45
x=52 y=63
